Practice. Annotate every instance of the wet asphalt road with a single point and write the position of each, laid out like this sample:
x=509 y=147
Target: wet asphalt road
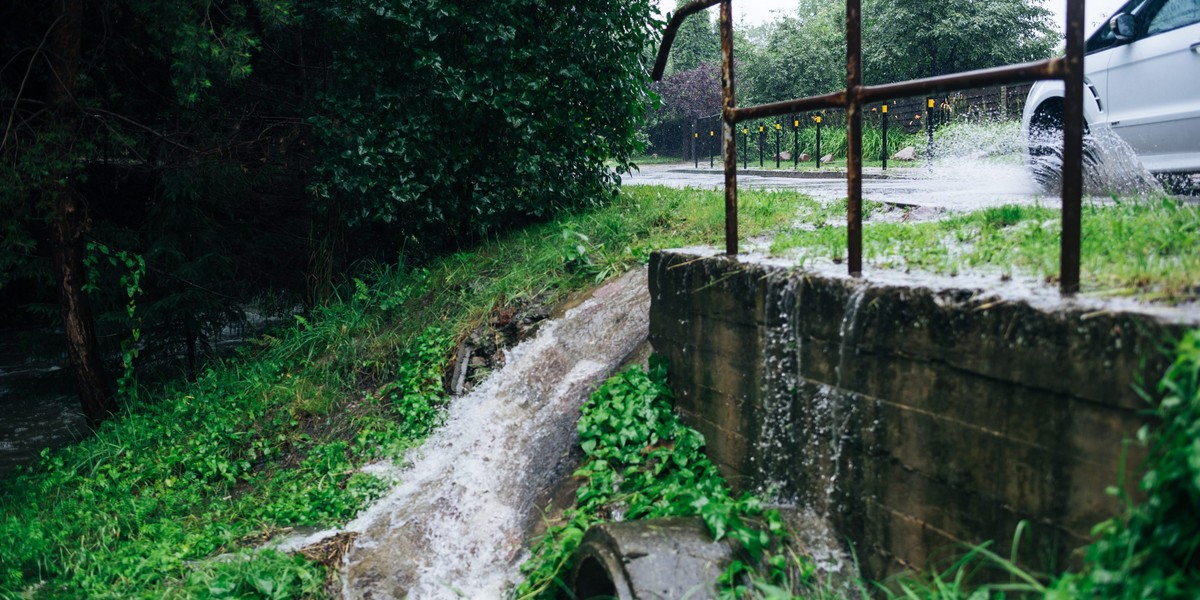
x=952 y=185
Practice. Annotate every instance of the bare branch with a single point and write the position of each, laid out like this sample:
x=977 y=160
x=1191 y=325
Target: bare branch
x=12 y=112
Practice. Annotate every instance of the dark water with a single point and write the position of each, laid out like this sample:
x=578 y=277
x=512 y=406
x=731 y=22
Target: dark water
x=38 y=405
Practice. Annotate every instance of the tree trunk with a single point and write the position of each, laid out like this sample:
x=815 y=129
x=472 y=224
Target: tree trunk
x=95 y=396
x=70 y=222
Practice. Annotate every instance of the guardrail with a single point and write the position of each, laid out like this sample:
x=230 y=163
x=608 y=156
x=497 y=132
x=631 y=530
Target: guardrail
x=1068 y=69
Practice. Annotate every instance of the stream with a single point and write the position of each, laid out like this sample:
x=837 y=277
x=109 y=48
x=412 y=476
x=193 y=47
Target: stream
x=455 y=524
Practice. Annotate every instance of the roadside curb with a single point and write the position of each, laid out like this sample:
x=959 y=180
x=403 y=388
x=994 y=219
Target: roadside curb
x=830 y=174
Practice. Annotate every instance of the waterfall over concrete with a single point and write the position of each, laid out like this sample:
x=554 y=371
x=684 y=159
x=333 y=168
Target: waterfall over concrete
x=455 y=525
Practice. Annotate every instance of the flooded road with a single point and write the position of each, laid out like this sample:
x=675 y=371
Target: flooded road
x=955 y=186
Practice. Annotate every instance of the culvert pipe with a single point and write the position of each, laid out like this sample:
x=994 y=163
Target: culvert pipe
x=658 y=559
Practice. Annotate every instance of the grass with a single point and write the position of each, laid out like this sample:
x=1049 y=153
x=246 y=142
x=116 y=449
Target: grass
x=654 y=159
x=1150 y=249
x=171 y=497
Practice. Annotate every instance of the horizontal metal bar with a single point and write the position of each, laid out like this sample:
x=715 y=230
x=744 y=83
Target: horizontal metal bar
x=664 y=49
x=1047 y=69
x=834 y=100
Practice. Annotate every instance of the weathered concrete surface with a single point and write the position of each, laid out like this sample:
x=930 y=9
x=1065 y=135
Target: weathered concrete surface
x=913 y=417
x=657 y=559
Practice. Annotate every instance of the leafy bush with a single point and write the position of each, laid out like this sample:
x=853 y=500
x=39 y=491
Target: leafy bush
x=642 y=463
x=449 y=118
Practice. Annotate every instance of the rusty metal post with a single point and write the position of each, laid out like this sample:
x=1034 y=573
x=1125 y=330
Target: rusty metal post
x=854 y=137
x=1072 y=163
x=727 y=129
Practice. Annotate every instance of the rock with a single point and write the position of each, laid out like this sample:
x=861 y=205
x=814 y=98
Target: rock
x=907 y=153
x=784 y=156
x=804 y=157
x=828 y=158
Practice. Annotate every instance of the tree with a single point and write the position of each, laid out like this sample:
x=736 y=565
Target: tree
x=685 y=96
x=74 y=99
x=691 y=94
x=219 y=140
x=804 y=55
x=909 y=39
x=698 y=40
x=446 y=119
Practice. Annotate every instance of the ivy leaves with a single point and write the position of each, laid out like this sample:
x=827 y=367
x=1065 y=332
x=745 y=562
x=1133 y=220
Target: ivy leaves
x=642 y=463
x=1150 y=551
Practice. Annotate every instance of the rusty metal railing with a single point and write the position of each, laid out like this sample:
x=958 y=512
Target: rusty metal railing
x=1068 y=69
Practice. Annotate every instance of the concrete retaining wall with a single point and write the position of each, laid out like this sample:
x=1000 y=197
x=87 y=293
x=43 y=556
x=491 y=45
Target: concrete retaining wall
x=912 y=417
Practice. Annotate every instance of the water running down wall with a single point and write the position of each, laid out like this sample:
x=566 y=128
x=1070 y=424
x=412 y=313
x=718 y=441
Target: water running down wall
x=912 y=416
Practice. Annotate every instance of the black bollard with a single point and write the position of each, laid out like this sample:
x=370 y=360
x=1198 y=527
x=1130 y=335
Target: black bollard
x=795 y=142
x=778 y=134
x=929 y=130
x=817 y=153
x=883 y=152
x=712 y=147
x=762 y=140
x=696 y=157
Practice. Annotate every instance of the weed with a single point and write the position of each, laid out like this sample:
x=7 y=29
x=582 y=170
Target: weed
x=642 y=463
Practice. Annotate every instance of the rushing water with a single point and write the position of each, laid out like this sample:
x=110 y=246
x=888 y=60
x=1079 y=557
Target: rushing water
x=38 y=405
x=455 y=524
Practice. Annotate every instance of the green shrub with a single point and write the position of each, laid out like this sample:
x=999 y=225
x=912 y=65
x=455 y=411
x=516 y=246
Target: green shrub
x=643 y=463
x=1153 y=549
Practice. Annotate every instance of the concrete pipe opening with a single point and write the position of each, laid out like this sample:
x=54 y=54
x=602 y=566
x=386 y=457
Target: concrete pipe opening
x=649 y=560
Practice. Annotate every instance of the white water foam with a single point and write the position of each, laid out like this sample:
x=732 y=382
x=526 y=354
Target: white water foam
x=455 y=524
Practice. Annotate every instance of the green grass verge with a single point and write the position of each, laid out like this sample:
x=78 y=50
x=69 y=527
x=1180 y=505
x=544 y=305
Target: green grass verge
x=1149 y=249
x=170 y=498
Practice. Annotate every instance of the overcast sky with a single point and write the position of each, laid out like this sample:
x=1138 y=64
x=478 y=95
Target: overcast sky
x=754 y=12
